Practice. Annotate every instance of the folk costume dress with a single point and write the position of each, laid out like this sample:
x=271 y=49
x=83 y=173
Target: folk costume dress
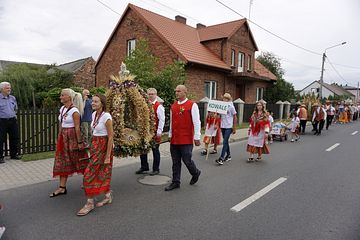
x=259 y=124
x=212 y=135
x=97 y=176
x=67 y=156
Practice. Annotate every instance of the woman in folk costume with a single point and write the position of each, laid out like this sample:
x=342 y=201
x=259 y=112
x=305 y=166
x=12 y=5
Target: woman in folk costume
x=97 y=176
x=212 y=132
x=70 y=145
x=342 y=114
x=258 y=132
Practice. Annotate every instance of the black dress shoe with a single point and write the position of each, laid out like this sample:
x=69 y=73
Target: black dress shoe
x=17 y=157
x=2 y=160
x=153 y=173
x=172 y=186
x=195 y=178
x=141 y=171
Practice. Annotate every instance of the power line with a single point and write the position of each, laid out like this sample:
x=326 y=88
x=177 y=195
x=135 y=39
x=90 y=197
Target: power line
x=268 y=31
x=108 y=7
x=328 y=60
x=347 y=66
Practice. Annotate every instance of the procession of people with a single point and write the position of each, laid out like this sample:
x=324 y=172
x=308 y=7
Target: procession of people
x=85 y=143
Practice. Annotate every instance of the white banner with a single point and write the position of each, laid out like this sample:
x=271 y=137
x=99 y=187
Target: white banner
x=218 y=106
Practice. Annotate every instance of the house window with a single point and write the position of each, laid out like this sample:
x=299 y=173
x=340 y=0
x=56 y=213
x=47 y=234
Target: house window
x=259 y=94
x=130 y=46
x=232 y=57
x=210 y=89
x=314 y=90
x=249 y=63
x=241 y=57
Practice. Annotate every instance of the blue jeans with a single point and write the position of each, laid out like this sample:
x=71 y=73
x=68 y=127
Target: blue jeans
x=226 y=132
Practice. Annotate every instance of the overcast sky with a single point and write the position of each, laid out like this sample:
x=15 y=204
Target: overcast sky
x=43 y=31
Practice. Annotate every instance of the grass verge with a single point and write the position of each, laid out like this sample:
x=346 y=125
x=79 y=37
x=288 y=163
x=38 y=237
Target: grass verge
x=38 y=156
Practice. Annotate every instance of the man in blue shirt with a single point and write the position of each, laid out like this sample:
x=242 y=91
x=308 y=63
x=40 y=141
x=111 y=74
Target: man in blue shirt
x=8 y=123
x=86 y=118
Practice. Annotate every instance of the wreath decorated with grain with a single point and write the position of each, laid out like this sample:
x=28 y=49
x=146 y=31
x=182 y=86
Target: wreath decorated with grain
x=133 y=115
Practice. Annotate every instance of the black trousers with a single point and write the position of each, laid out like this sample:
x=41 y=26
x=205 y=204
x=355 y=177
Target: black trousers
x=184 y=153
x=9 y=126
x=156 y=162
x=302 y=126
x=319 y=125
x=329 y=120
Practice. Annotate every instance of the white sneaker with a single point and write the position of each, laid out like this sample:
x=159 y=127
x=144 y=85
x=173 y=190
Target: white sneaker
x=292 y=140
x=2 y=230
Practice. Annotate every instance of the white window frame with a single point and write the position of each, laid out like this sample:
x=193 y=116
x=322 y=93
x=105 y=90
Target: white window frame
x=249 y=62
x=212 y=90
x=259 y=93
x=241 y=58
x=131 y=44
x=233 y=57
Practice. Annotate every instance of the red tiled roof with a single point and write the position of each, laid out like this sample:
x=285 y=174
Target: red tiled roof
x=262 y=71
x=223 y=30
x=182 y=38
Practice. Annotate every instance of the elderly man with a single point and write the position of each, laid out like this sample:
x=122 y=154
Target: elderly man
x=8 y=124
x=159 y=123
x=86 y=118
x=184 y=131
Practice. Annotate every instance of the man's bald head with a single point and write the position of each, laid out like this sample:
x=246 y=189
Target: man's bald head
x=180 y=92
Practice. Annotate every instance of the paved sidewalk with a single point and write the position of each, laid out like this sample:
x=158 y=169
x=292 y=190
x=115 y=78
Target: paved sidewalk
x=16 y=173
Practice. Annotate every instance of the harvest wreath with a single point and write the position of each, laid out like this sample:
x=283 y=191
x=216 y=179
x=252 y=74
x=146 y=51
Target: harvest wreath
x=133 y=115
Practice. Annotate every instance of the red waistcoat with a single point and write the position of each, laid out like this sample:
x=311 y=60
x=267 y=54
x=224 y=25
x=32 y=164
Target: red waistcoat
x=155 y=107
x=182 y=127
x=319 y=115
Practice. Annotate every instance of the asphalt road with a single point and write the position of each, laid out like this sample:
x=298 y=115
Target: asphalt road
x=320 y=199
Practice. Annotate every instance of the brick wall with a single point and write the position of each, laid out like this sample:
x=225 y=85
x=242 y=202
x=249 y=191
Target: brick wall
x=250 y=90
x=85 y=77
x=131 y=27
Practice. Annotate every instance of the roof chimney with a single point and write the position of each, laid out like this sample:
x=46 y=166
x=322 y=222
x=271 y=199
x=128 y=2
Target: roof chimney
x=200 y=25
x=180 y=19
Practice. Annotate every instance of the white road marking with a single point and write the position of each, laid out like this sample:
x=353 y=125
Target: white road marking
x=258 y=195
x=354 y=133
x=332 y=147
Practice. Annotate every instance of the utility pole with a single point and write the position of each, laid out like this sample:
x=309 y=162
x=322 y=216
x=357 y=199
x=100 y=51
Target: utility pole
x=322 y=68
x=322 y=76
x=357 y=93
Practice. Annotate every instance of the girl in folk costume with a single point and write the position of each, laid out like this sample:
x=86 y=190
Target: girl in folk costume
x=294 y=127
x=342 y=114
x=258 y=132
x=212 y=132
x=70 y=146
x=97 y=175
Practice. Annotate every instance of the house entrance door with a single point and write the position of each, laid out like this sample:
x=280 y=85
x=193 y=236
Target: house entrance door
x=240 y=91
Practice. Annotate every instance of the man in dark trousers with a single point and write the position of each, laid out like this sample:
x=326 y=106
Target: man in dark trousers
x=8 y=123
x=159 y=126
x=184 y=131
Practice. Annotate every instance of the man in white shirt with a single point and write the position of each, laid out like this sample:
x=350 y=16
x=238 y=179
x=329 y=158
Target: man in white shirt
x=159 y=123
x=330 y=112
x=319 y=117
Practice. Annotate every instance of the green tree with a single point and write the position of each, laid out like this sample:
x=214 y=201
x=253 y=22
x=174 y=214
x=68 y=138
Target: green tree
x=145 y=66
x=281 y=90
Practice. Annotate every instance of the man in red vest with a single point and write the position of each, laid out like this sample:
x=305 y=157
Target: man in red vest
x=159 y=126
x=184 y=131
x=318 y=118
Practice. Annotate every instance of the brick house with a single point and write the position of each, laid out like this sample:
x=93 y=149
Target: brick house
x=219 y=58
x=83 y=70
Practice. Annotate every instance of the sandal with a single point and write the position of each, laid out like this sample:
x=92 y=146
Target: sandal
x=88 y=207
x=58 y=193
x=213 y=151
x=250 y=160
x=107 y=200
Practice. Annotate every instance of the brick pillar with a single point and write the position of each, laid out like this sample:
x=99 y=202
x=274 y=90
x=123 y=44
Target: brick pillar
x=281 y=109
x=240 y=110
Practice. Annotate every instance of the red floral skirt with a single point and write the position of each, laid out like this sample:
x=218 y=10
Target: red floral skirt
x=97 y=176
x=67 y=156
x=259 y=150
x=213 y=140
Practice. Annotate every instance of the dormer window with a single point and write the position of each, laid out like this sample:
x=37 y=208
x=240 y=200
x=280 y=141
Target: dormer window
x=241 y=60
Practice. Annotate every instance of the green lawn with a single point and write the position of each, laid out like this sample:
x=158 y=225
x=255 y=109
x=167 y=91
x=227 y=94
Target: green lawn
x=38 y=156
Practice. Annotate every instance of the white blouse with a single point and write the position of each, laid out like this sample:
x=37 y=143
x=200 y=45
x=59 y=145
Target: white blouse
x=67 y=117
x=100 y=127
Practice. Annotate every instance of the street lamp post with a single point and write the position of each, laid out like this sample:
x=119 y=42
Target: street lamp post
x=322 y=68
